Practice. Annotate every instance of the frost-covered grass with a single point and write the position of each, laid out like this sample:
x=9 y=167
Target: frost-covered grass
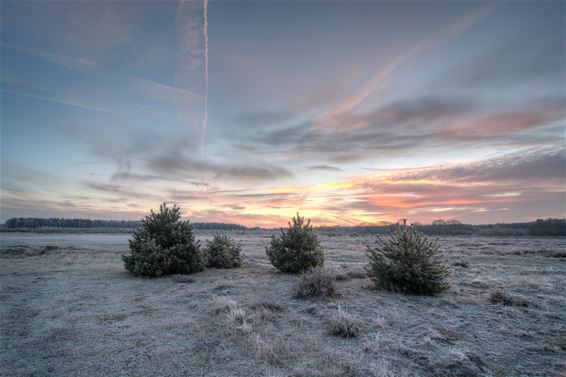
x=71 y=309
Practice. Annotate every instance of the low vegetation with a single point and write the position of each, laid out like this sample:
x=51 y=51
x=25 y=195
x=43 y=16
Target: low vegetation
x=358 y=273
x=343 y=324
x=296 y=249
x=164 y=245
x=407 y=262
x=223 y=252
x=242 y=321
x=461 y=263
x=499 y=296
x=316 y=282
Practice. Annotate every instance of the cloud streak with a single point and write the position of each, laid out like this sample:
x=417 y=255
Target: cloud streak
x=62 y=101
x=192 y=61
x=205 y=115
x=71 y=62
x=410 y=125
x=379 y=81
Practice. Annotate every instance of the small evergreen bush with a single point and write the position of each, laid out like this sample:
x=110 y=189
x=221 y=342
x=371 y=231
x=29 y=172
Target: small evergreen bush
x=222 y=252
x=164 y=245
x=297 y=248
x=316 y=282
x=407 y=263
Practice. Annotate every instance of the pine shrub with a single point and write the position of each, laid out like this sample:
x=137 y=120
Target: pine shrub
x=407 y=263
x=222 y=252
x=164 y=245
x=296 y=249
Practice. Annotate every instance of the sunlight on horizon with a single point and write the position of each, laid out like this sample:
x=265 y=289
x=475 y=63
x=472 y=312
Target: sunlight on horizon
x=247 y=112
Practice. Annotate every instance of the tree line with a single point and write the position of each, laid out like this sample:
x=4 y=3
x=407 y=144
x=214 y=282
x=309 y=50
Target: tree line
x=540 y=227
x=61 y=223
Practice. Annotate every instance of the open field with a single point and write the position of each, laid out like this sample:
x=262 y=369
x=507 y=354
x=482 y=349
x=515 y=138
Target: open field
x=68 y=307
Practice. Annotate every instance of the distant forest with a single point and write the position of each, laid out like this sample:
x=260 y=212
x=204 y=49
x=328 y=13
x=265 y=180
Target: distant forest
x=540 y=227
x=30 y=223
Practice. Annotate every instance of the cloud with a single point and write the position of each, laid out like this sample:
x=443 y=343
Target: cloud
x=70 y=62
x=507 y=64
x=544 y=166
x=55 y=99
x=530 y=182
x=123 y=191
x=175 y=164
x=264 y=118
x=192 y=62
x=165 y=93
x=332 y=119
x=413 y=124
x=189 y=27
x=525 y=180
x=324 y=167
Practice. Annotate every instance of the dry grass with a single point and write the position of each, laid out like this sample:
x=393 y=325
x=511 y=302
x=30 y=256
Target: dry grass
x=557 y=254
x=343 y=324
x=77 y=312
x=317 y=282
x=179 y=278
x=358 y=273
x=220 y=304
x=499 y=296
x=461 y=263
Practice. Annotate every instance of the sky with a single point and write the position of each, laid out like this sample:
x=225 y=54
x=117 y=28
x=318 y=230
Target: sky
x=247 y=112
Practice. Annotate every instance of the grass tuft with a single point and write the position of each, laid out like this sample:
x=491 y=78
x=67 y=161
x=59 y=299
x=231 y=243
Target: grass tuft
x=317 y=282
x=461 y=263
x=221 y=304
x=499 y=296
x=343 y=324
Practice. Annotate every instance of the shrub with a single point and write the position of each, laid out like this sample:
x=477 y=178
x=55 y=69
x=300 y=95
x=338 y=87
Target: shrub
x=408 y=263
x=164 y=245
x=499 y=296
x=316 y=283
x=222 y=252
x=461 y=263
x=297 y=248
x=221 y=304
x=343 y=324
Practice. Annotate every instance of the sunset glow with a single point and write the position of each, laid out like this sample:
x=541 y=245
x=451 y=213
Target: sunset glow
x=349 y=112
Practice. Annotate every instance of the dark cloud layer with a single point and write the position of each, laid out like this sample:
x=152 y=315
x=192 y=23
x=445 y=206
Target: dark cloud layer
x=407 y=126
x=543 y=166
x=324 y=167
x=179 y=165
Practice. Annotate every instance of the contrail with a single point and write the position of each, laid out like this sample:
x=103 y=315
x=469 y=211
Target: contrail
x=379 y=80
x=205 y=116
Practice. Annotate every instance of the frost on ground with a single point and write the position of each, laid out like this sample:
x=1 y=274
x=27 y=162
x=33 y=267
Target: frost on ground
x=68 y=307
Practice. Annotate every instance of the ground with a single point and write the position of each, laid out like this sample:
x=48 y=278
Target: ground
x=68 y=307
